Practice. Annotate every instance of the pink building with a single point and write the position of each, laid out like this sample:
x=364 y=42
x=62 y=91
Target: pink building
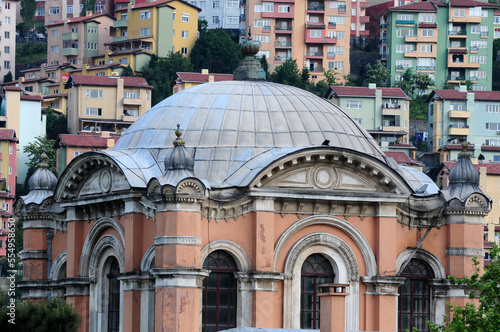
x=8 y=145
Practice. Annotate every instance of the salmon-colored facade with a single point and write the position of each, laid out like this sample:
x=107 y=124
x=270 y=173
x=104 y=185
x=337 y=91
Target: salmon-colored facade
x=239 y=233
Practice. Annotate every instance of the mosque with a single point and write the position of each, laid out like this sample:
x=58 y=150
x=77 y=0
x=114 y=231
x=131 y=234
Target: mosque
x=228 y=203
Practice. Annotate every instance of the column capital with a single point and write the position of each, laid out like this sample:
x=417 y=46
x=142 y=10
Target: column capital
x=260 y=281
x=382 y=285
x=179 y=277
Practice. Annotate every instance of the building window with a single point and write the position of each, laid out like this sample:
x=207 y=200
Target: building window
x=215 y=19
x=232 y=20
x=283 y=8
x=69 y=9
x=10 y=170
x=354 y=104
x=7 y=35
x=426 y=48
x=427 y=33
x=145 y=14
x=131 y=112
x=335 y=65
x=404 y=32
x=353 y=26
x=215 y=4
x=6 y=49
x=40 y=11
x=414 y=297
x=94 y=93
x=458 y=12
x=1 y=243
x=427 y=17
x=54 y=49
x=492 y=108
x=185 y=34
x=315 y=270
x=6 y=65
x=403 y=48
x=184 y=50
x=202 y=4
x=54 y=33
x=145 y=31
x=219 y=292
x=353 y=12
x=92 y=111
x=232 y=4
x=29 y=89
x=11 y=149
x=185 y=17
x=315 y=33
x=131 y=95
x=7 y=5
x=53 y=10
x=114 y=297
x=478 y=59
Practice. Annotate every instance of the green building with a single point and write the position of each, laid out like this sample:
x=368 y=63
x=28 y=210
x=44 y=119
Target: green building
x=449 y=41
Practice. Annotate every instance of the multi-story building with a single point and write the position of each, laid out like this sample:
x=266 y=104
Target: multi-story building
x=316 y=33
x=383 y=112
x=223 y=14
x=23 y=114
x=146 y=28
x=8 y=10
x=8 y=149
x=77 y=40
x=127 y=98
x=359 y=19
x=59 y=10
x=69 y=146
x=470 y=116
x=496 y=26
x=410 y=39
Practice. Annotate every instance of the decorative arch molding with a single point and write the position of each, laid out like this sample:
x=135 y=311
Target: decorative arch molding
x=327 y=176
x=147 y=259
x=428 y=257
x=57 y=264
x=242 y=259
x=326 y=240
x=350 y=230
x=105 y=242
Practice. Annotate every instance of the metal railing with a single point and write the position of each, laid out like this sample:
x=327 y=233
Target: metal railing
x=314 y=54
x=283 y=44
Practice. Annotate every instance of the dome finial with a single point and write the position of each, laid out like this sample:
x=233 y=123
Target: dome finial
x=43 y=162
x=464 y=152
x=249 y=68
x=178 y=141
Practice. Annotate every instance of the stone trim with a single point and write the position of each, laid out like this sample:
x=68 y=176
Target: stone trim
x=33 y=254
x=92 y=262
x=179 y=277
x=428 y=257
x=137 y=282
x=76 y=286
x=57 y=264
x=259 y=281
x=177 y=240
x=147 y=259
x=459 y=251
x=44 y=223
x=382 y=285
x=242 y=259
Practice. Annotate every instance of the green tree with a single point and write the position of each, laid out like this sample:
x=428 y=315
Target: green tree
x=468 y=84
x=422 y=82
x=7 y=77
x=28 y=10
x=128 y=71
x=88 y=5
x=418 y=109
x=378 y=74
x=287 y=73
x=304 y=76
x=34 y=151
x=202 y=26
x=55 y=124
x=407 y=83
x=160 y=72
x=53 y=315
x=331 y=77
x=216 y=51
x=484 y=317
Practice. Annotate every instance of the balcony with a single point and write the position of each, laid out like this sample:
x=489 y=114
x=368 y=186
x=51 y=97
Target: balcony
x=405 y=22
x=457 y=50
x=314 y=55
x=342 y=8
x=129 y=118
x=282 y=58
x=70 y=36
x=456 y=79
x=459 y=131
x=364 y=19
x=330 y=55
x=473 y=79
x=316 y=8
x=420 y=54
x=266 y=28
x=119 y=38
x=462 y=62
x=283 y=29
x=132 y=101
x=383 y=26
x=69 y=51
x=383 y=56
x=459 y=114
x=279 y=44
x=316 y=70
x=311 y=25
x=426 y=68
x=465 y=19
x=484 y=34
x=383 y=41
x=332 y=25
x=242 y=16
x=120 y=24
x=474 y=49
x=457 y=34
x=391 y=111
x=427 y=25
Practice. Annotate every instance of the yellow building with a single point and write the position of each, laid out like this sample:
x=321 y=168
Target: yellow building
x=127 y=98
x=185 y=80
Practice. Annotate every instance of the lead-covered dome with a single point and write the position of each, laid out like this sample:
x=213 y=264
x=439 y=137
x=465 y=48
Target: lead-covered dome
x=234 y=124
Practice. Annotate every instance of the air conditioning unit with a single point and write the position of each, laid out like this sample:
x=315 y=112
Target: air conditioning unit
x=380 y=128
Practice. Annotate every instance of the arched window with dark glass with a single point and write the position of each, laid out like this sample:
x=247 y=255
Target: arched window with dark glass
x=315 y=270
x=113 y=296
x=414 y=297
x=219 y=292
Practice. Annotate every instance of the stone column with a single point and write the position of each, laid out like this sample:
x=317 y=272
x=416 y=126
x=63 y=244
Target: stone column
x=77 y=294
x=332 y=307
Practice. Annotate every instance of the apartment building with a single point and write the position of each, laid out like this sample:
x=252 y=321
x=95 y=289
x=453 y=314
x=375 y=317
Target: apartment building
x=185 y=80
x=496 y=25
x=59 y=10
x=223 y=14
x=383 y=112
x=316 y=33
x=470 y=116
x=8 y=9
x=146 y=28
x=77 y=40
x=410 y=38
x=359 y=19
x=127 y=98
x=8 y=149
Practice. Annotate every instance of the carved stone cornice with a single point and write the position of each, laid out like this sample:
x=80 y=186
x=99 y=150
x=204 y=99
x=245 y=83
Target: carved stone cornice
x=137 y=282
x=179 y=277
x=78 y=286
x=476 y=205
x=217 y=211
x=459 y=251
x=177 y=240
x=33 y=254
x=422 y=212
x=256 y=281
x=382 y=285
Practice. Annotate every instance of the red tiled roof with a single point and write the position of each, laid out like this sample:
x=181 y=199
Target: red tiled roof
x=487 y=95
x=420 y=6
x=470 y=147
x=491 y=168
x=402 y=146
x=357 y=91
x=203 y=78
x=470 y=3
x=33 y=98
x=8 y=135
x=457 y=95
x=136 y=82
x=84 y=140
x=402 y=158
x=79 y=19
x=12 y=88
x=451 y=94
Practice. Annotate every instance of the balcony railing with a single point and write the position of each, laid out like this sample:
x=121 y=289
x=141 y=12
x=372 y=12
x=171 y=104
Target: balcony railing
x=314 y=54
x=342 y=8
x=316 y=70
x=405 y=22
x=266 y=28
x=400 y=67
x=282 y=28
x=383 y=40
x=332 y=25
x=386 y=123
x=330 y=54
x=484 y=33
x=316 y=7
x=311 y=25
x=457 y=33
x=426 y=68
x=458 y=125
x=282 y=58
x=383 y=26
x=282 y=44
x=474 y=49
x=383 y=55
x=242 y=16
x=473 y=78
x=456 y=78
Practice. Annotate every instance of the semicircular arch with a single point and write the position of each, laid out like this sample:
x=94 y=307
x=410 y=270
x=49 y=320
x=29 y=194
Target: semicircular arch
x=242 y=259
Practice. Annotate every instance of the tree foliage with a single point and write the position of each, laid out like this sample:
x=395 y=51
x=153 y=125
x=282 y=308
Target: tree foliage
x=30 y=51
x=56 y=124
x=160 y=73
x=422 y=82
x=287 y=73
x=88 y=5
x=34 y=151
x=407 y=83
x=216 y=51
x=484 y=317
x=7 y=77
x=128 y=71
x=28 y=10
x=378 y=74
x=53 y=315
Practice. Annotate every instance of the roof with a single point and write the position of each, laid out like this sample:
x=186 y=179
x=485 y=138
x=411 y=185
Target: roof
x=79 y=19
x=419 y=6
x=487 y=95
x=159 y=3
x=8 y=135
x=457 y=95
x=31 y=98
x=402 y=158
x=356 y=91
x=83 y=140
x=12 y=88
x=203 y=78
x=471 y=3
x=491 y=168
x=131 y=82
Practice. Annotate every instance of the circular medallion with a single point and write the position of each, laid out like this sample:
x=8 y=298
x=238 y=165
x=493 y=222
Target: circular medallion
x=323 y=177
x=105 y=181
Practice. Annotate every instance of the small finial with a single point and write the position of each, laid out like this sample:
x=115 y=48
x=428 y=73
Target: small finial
x=464 y=152
x=43 y=162
x=178 y=141
x=250 y=32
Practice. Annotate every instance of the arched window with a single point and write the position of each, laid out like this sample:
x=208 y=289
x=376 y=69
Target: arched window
x=219 y=292
x=315 y=270
x=414 y=297
x=113 y=296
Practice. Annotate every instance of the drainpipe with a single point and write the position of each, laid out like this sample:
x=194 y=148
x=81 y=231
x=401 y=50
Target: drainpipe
x=50 y=235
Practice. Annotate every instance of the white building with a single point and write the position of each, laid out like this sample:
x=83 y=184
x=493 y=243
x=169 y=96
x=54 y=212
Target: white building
x=223 y=14
x=8 y=10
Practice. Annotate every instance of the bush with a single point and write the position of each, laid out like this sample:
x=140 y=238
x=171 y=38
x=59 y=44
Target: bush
x=53 y=315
